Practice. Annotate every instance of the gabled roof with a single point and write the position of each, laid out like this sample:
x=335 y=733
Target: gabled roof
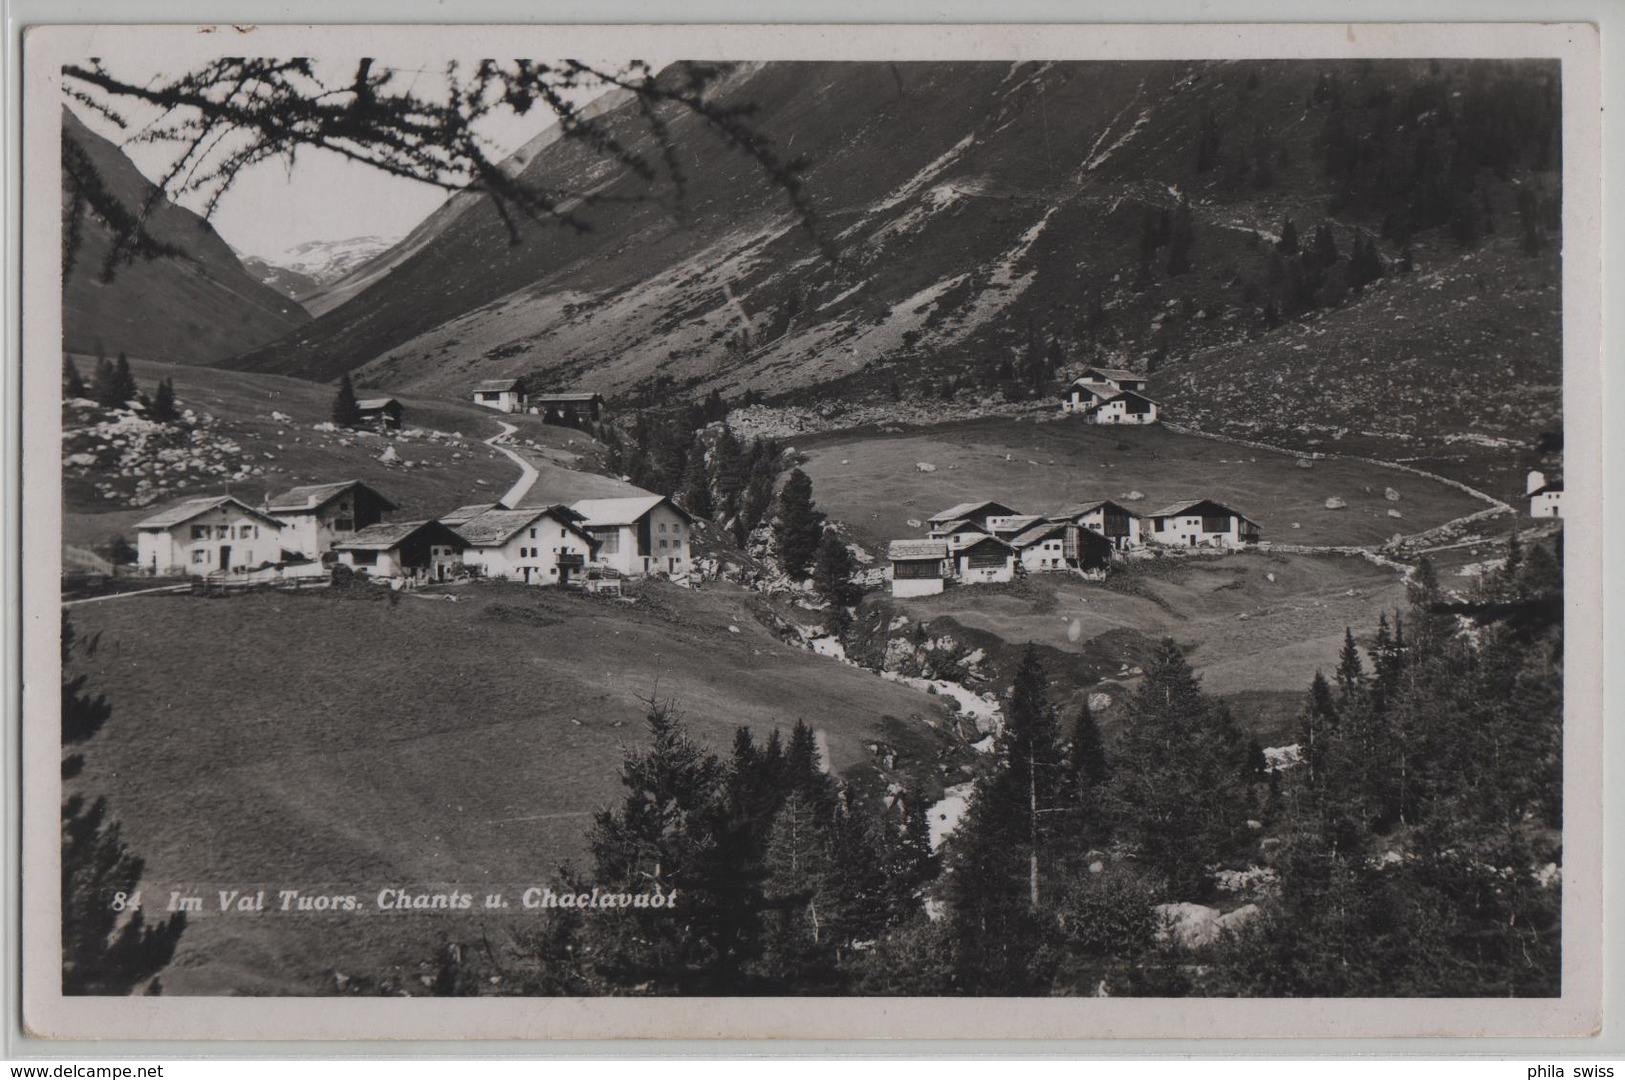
x=961 y=525
x=468 y=513
x=1073 y=513
x=1099 y=389
x=1131 y=394
x=545 y=398
x=1016 y=523
x=183 y=512
x=1038 y=532
x=500 y=384
x=496 y=527
x=368 y=404
x=1175 y=509
x=1116 y=374
x=963 y=510
x=909 y=550
x=1549 y=486
x=313 y=497
x=602 y=513
x=983 y=542
x=386 y=535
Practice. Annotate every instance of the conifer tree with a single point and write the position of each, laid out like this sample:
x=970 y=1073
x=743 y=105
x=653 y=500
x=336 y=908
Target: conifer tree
x=832 y=568
x=1176 y=789
x=73 y=386
x=163 y=402
x=1288 y=244
x=696 y=484
x=345 y=411
x=108 y=947
x=799 y=525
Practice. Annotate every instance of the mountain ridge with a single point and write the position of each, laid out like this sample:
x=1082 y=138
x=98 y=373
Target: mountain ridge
x=195 y=309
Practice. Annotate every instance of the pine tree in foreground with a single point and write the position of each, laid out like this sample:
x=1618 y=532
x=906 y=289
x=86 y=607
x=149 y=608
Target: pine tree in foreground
x=107 y=945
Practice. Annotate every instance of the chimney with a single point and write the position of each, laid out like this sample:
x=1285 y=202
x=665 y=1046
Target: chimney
x=1537 y=480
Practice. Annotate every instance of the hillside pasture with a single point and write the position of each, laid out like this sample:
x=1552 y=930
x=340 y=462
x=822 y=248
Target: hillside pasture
x=871 y=481
x=1248 y=622
x=460 y=743
x=444 y=473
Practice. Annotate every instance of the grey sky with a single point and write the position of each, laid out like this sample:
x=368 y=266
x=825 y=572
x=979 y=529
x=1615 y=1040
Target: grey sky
x=272 y=207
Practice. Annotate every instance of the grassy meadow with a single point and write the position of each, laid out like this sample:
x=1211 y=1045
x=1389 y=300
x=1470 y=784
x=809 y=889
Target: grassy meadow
x=301 y=740
x=869 y=480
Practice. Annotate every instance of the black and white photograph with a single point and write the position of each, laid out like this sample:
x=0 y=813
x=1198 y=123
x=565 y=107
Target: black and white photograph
x=634 y=522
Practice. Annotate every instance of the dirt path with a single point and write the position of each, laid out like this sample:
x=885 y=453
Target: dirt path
x=122 y=595
x=527 y=471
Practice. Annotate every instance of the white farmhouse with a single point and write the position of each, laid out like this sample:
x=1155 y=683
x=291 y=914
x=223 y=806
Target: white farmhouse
x=918 y=567
x=1110 y=396
x=207 y=535
x=422 y=551
x=1545 y=496
x=1116 y=522
x=503 y=395
x=988 y=560
x=645 y=534
x=1200 y=523
x=1044 y=547
x=1127 y=407
x=317 y=516
x=539 y=545
x=1085 y=394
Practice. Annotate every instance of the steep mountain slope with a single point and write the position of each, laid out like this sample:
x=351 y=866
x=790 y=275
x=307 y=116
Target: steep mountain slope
x=193 y=310
x=368 y=272
x=1131 y=212
x=309 y=268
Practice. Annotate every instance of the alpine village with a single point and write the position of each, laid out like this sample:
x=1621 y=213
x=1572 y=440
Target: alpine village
x=1089 y=529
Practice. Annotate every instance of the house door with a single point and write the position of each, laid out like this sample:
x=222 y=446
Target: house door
x=527 y=575
x=564 y=572
x=225 y=556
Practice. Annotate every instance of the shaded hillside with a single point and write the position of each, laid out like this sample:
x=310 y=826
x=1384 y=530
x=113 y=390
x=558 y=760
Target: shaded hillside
x=359 y=277
x=194 y=309
x=1000 y=225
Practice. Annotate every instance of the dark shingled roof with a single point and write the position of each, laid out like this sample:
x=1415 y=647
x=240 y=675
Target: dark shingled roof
x=468 y=513
x=910 y=550
x=1116 y=374
x=496 y=527
x=500 y=384
x=1037 y=533
x=381 y=537
x=183 y=512
x=315 y=496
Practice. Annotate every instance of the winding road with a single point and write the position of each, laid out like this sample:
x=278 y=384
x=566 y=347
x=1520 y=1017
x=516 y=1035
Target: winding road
x=527 y=471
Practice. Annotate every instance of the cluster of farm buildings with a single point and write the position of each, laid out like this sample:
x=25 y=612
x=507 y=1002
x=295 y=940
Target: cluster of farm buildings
x=308 y=530
x=980 y=542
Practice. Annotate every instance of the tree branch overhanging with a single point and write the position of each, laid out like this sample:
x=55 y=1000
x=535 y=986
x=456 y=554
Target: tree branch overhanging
x=235 y=112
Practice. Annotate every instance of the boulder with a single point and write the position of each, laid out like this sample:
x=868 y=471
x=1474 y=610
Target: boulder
x=1196 y=925
x=1334 y=503
x=1390 y=494
x=925 y=466
x=1134 y=496
x=1394 y=513
x=1305 y=463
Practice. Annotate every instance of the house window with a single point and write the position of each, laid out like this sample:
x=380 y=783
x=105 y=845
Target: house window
x=533 y=534
x=200 y=532
x=364 y=558
x=662 y=544
x=199 y=555
x=221 y=532
x=662 y=526
x=344 y=524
